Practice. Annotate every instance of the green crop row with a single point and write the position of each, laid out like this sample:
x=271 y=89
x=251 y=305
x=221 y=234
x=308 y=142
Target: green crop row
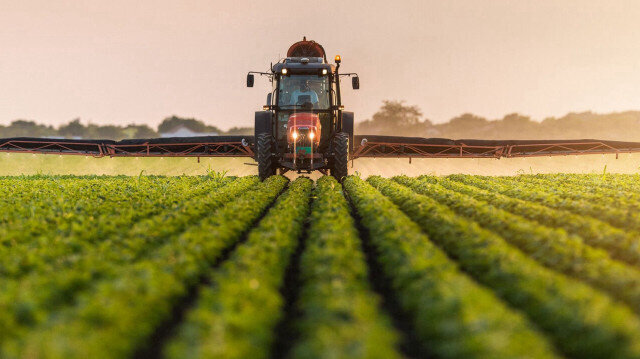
x=33 y=299
x=117 y=318
x=625 y=183
x=57 y=204
x=235 y=316
x=629 y=201
x=617 y=217
x=622 y=245
x=114 y=217
x=339 y=313
x=468 y=266
x=581 y=321
x=452 y=315
x=606 y=185
x=551 y=247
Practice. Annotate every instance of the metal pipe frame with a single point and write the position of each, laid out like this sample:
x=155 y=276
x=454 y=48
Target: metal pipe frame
x=387 y=149
x=52 y=147
x=368 y=149
x=413 y=150
x=196 y=149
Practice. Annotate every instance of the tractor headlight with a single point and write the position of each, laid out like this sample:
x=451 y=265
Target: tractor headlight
x=294 y=134
x=284 y=71
x=324 y=71
x=311 y=135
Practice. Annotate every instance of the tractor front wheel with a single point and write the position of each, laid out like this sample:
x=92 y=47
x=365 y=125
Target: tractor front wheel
x=339 y=165
x=264 y=151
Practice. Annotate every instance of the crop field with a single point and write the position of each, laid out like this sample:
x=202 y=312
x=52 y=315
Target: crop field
x=531 y=266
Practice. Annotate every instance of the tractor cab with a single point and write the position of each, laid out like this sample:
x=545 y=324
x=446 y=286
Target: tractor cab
x=303 y=126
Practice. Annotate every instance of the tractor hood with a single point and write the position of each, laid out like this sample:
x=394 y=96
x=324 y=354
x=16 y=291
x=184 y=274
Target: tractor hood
x=304 y=122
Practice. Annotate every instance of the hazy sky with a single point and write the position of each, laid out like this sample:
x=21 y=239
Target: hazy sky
x=139 y=61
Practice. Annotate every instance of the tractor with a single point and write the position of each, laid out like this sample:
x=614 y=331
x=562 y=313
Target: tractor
x=303 y=126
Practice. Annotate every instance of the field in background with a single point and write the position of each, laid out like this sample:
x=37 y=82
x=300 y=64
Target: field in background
x=27 y=164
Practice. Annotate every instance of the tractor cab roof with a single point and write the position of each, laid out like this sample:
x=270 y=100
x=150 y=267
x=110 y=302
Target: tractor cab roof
x=303 y=60
x=303 y=65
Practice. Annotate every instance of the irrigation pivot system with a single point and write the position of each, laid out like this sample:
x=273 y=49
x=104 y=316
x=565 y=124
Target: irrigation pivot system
x=303 y=127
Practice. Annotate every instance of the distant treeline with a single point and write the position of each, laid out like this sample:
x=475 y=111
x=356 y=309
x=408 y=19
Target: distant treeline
x=76 y=129
x=393 y=118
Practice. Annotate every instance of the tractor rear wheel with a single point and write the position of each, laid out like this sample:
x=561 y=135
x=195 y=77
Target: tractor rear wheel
x=340 y=163
x=266 y=161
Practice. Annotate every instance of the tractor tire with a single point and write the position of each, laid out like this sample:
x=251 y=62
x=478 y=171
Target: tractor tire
x=340 y=163
x=266 y=160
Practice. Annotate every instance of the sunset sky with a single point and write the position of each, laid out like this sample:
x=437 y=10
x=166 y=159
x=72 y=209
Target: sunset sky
x=139 y=61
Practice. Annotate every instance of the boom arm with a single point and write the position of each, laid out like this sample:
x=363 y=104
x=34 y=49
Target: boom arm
x=392 y=146
x=205 y=146
x=364 y=146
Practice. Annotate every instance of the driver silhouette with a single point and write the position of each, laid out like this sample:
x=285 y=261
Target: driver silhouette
x=304 y=94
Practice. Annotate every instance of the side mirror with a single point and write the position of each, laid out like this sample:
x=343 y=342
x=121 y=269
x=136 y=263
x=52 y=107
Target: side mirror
x=249 y=80
x=355 y=82
x=269 y=99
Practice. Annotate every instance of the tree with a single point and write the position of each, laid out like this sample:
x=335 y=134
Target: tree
x=140 y=131
x=169 y=124
x=25 y=128
x=73 y=129
x=465 y=126
x=468 y=120
x=396 y=114
x=110 y=132
x=516 y=126
x=240 y=131
x=394 y=118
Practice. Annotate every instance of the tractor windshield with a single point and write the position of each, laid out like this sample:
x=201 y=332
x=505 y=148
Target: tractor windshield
x=304 y=92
